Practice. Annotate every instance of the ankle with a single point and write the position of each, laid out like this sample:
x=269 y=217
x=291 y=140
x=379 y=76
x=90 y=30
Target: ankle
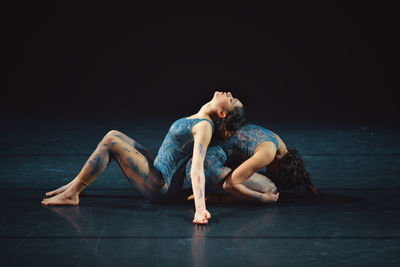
x=69 y=193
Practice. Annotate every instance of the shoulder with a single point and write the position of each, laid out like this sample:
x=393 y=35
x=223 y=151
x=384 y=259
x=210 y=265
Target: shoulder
x=202 y=127
x=265 y=152
x=260 y=159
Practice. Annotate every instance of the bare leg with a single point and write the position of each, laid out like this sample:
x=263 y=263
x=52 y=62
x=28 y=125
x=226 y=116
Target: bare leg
x=260 y=183
x=135 y=144
x=216 y=173
x=136 y=167
x=58 y=190
x=256 y=182
x=62 y=189
x=124 y=138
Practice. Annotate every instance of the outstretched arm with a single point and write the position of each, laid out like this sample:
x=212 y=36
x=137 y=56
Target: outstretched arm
x=202 y=133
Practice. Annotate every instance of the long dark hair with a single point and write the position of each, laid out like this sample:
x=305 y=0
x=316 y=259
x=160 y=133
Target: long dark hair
x=226 y=127
x=291 y=175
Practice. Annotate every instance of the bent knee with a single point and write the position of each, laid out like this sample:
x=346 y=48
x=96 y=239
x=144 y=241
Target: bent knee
x=113 y=133
x=111 y=136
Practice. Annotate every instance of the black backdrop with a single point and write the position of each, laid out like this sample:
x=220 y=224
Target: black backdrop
x=289 y=60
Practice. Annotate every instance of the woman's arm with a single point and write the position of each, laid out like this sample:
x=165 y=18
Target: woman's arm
x=242 y=191
x=257 y=182
x=234 y=181
x=202 y=133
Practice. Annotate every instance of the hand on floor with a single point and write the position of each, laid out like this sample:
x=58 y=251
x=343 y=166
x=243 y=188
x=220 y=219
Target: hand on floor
x=201 y=217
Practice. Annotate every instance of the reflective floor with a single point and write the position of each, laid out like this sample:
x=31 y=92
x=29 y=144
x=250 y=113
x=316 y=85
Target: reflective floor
x=354 y=223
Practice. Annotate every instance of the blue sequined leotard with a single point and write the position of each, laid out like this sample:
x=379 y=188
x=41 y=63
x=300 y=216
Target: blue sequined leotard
x=213 y=167
x=246 y=140
x=238 y=148
x=176 y=148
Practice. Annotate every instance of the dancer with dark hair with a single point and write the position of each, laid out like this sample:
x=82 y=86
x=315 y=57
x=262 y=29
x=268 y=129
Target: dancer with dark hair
x=253 y=149
x=188 y=136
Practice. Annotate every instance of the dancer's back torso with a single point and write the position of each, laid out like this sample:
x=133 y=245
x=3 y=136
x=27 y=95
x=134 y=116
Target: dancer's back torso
x=246 y=140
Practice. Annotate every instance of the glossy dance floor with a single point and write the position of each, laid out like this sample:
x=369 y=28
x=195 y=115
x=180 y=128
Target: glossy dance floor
x=355 y=223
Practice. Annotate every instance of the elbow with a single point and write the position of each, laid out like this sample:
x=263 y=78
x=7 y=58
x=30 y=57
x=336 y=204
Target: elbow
x=227 y=186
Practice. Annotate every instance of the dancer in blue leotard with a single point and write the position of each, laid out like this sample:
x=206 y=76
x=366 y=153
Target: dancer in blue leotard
x=256 y=149
x=187 y=137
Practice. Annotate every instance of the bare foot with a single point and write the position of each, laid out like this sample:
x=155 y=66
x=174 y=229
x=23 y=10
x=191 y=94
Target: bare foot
x=64 y=198
x=60 y=190
x=57 y=191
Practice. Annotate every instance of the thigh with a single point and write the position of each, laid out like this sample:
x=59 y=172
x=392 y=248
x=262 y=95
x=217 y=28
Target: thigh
x=137 y=168
x=134 y=144
x=260 y=183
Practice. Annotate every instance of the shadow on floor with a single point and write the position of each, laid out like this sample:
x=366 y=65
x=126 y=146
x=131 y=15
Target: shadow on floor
x=222 y=200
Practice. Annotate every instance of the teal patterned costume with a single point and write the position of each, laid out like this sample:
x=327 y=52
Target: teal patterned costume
x=237 y=149
x=176 y=148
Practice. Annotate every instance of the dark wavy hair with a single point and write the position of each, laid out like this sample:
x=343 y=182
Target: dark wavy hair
x=291 y=175
x=226 y=127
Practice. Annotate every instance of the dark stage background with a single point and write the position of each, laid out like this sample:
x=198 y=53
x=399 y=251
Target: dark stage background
x=284 y=61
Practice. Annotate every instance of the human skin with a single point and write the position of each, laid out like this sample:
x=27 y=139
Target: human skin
x=257 y=182
x=202 y=138
x=136 y=161
x=244 y=181
x=264 y=155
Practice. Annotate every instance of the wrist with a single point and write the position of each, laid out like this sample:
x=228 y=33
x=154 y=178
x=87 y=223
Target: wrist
x=262 y=198
x=200 y=208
